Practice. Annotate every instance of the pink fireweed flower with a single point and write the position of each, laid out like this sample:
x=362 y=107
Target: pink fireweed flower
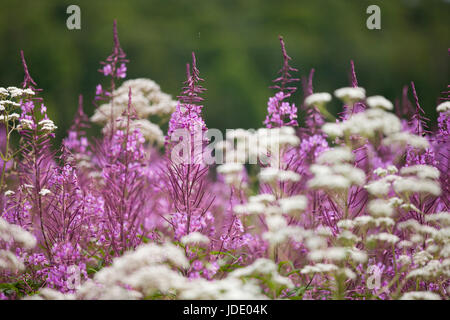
x=98 y=90
x=107 y=70
x=122 y=71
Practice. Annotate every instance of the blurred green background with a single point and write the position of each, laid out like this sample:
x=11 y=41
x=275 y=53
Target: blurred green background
x=237 y=47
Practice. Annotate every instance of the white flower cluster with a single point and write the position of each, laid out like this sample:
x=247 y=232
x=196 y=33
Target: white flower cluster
x=319 y=268
x=149 y=270
x=420 y=295
x=442 y=218
x=402 y=139
x=381 y=208
x=233 y=173
x=443 y=107
x=418 y=179
x=44 y=192
x=15 y=92
x=134 y=275
x=431 y=255
x=263 y=267
x=264 y=145
x=240 y=284
x=7 y=95
x=13 y=234
x=368 y=221
x=273 y=175
x=13 y=116
x=332 y=259
x=278 y=229
x=147 y=100
x=384 y=237
x=431 y=269
x=421 y=171
x=47 y=125
x=350 y=94
x=230 y=288
x=379 y=102
x=150 y=131
x=373 y=121
x=338 y=254
x=293 y=205
x=366 y=124
x=25 y=124
x=194 y=238
x=242 y=145
x=318 y=99
x=413 y=179
x=333 y=172
x=276 y=139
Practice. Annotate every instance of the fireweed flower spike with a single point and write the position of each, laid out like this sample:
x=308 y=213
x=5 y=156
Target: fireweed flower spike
x=77 y=142
x=186 y=170
x=115 y=68
x=125 y=200
x=280 y=112
x=36 y=156
x=314 y=119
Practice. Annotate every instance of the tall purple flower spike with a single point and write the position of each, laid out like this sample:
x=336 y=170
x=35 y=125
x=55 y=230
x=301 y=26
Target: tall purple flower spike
x=187 y=114
x=81 y=119
x=36 y=155
x=187 y=181
x=358 y=106
x=114 y=67
x=353 y=75
x=115 y=64
x=190 y=93
x=314 y=119
x=28 y=82
x=418 y=121
x=280 y=112
x=285 y=78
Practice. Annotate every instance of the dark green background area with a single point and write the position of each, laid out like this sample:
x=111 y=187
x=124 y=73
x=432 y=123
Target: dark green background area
x=236 y=45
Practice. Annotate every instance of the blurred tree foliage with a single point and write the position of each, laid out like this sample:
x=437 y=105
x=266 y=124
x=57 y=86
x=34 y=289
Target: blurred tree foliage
x=236 y=43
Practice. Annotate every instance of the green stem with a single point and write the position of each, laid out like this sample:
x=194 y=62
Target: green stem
x=326 y=113
x=5 y=157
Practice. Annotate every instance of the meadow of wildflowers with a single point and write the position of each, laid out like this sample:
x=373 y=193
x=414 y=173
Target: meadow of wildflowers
x=348 y=207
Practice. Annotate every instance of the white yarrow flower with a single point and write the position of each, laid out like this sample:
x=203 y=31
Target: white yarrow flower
x=44 y=192
x=380 y=208
x=420 y=295
x=350 y=94
x=318 y=99
x=293 y=204
x=379 y=102
x=443 y=107
x=195 y=238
